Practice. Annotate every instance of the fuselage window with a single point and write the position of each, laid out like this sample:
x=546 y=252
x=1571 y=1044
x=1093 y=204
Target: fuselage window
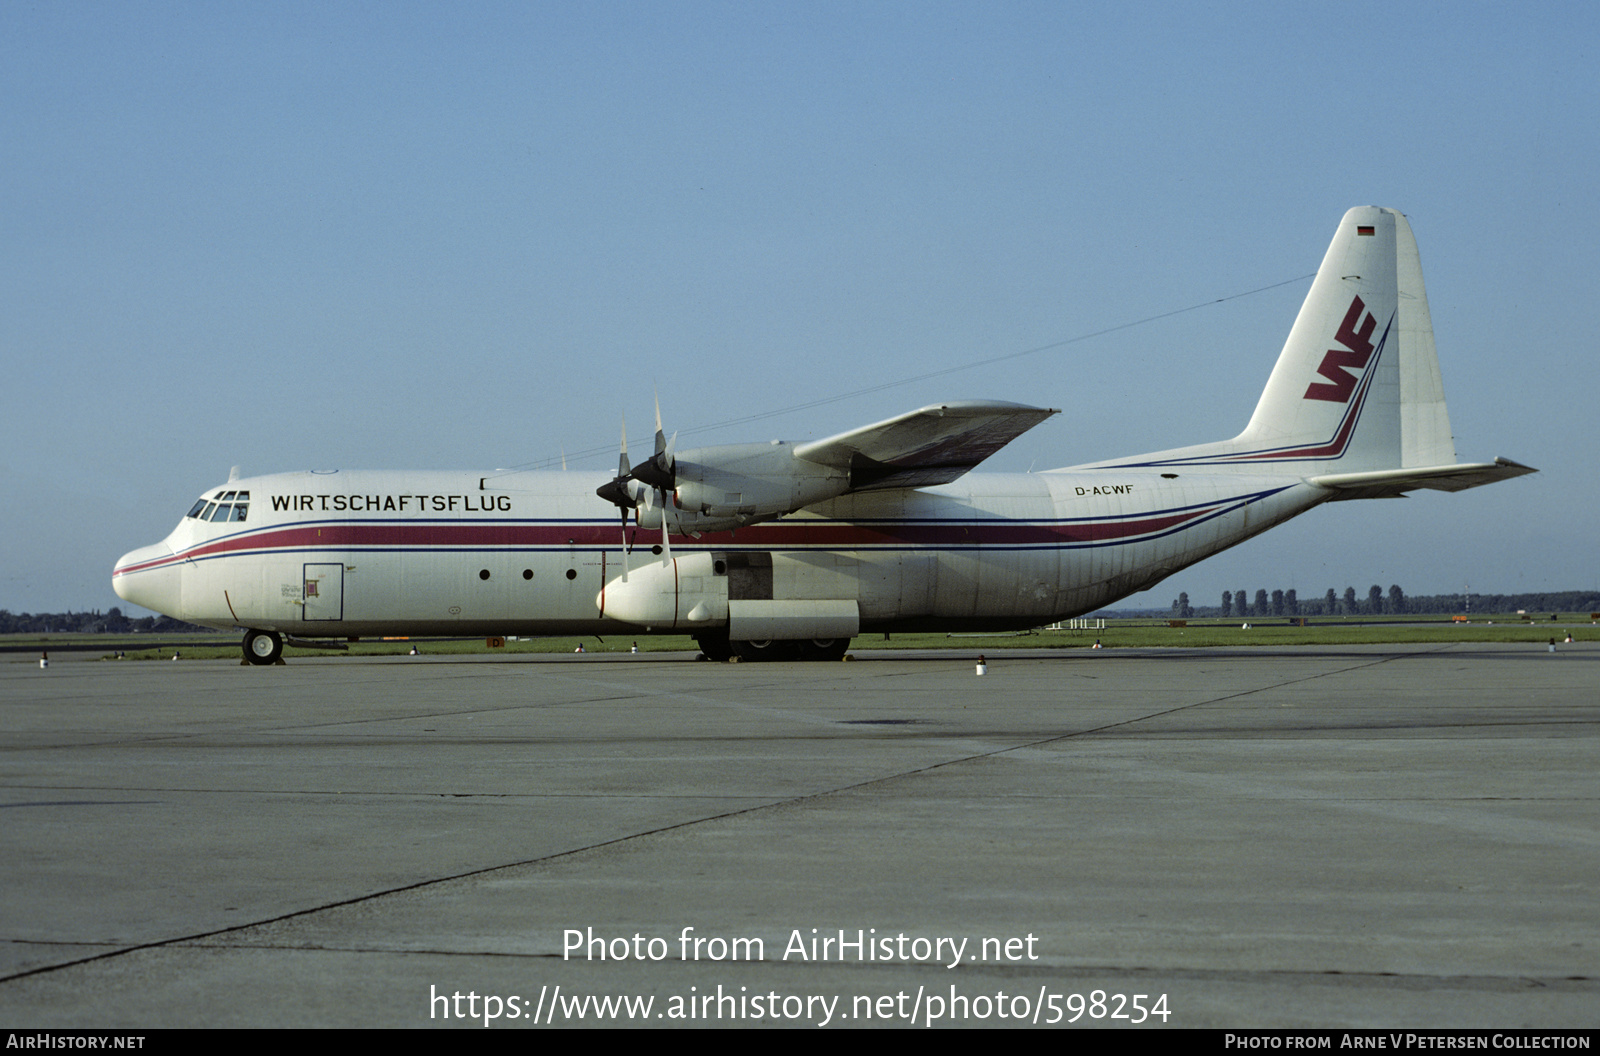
x=195 y=512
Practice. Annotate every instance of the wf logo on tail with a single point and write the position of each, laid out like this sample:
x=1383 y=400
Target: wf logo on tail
x=1358 y=349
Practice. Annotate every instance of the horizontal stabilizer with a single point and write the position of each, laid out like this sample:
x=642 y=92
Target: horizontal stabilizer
x=1393 y=483
x=933 y=445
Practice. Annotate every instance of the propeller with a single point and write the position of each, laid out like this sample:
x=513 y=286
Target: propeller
x=659 y=471
x=622 y=471
x=658 y=474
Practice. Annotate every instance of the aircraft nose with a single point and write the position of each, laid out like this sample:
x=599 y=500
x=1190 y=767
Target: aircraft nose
x=148 y=576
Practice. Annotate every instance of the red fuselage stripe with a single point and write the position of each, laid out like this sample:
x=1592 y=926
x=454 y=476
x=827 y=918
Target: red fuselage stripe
x=503 y=535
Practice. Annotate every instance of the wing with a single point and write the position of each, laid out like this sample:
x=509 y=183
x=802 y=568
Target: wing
x=933 y=445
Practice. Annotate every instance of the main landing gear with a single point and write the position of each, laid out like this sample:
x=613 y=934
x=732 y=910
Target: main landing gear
x=823 y=648
x=262 y=647
x=718 y=647
x=714 y=646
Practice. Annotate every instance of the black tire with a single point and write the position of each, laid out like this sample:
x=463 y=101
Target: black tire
x=824 y=648
x=769 y=649
x=263 y=647
x=715 y=646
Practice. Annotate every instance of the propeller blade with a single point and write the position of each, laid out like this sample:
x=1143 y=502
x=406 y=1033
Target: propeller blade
x=624 y=545
x=661 y=439
x=666 y=543
x=661 y=469
x=615 y=491
x=622 y=474
x=664 y=477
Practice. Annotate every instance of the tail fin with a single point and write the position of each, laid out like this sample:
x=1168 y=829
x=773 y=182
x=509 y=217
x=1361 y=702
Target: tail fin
x=1334 y=398
x=1355 y=402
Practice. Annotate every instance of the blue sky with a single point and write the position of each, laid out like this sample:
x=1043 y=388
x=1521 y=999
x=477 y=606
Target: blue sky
x=470 y=236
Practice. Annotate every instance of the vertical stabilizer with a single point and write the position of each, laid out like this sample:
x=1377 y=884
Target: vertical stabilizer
x=1334 y=396
x=1355 y=403
x=1356 y=388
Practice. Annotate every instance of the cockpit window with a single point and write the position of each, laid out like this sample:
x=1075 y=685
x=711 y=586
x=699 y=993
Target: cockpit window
x=227 y=506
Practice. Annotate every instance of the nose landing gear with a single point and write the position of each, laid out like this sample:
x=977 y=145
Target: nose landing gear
x=263 y=647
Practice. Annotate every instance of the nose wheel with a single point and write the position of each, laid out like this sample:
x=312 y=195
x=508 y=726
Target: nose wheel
x=263 y=647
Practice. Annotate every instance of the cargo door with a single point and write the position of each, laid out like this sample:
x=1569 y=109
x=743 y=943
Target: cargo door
x=324 y=591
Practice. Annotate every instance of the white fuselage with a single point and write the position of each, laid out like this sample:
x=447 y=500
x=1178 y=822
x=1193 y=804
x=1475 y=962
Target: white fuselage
x=1353 y=408
x=363 y=553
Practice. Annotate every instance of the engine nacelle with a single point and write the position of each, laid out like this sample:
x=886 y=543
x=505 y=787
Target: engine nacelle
x=744 y=483
x=684 y=522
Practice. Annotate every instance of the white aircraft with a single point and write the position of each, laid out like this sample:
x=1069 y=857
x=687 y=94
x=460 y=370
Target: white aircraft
x=787 y=550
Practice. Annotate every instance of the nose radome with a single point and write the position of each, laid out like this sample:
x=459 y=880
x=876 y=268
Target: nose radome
x=148 y=577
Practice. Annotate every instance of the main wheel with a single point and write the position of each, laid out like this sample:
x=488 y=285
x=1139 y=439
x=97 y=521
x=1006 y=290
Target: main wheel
x=768 y=649
x=824 y=648
x=263 y=647
x=715 y=645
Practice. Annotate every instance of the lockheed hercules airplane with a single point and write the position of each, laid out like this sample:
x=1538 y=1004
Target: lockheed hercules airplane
x=787 y=550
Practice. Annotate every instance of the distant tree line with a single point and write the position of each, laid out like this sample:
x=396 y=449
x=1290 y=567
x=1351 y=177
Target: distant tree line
x=112 y=622
x=1377 y=602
